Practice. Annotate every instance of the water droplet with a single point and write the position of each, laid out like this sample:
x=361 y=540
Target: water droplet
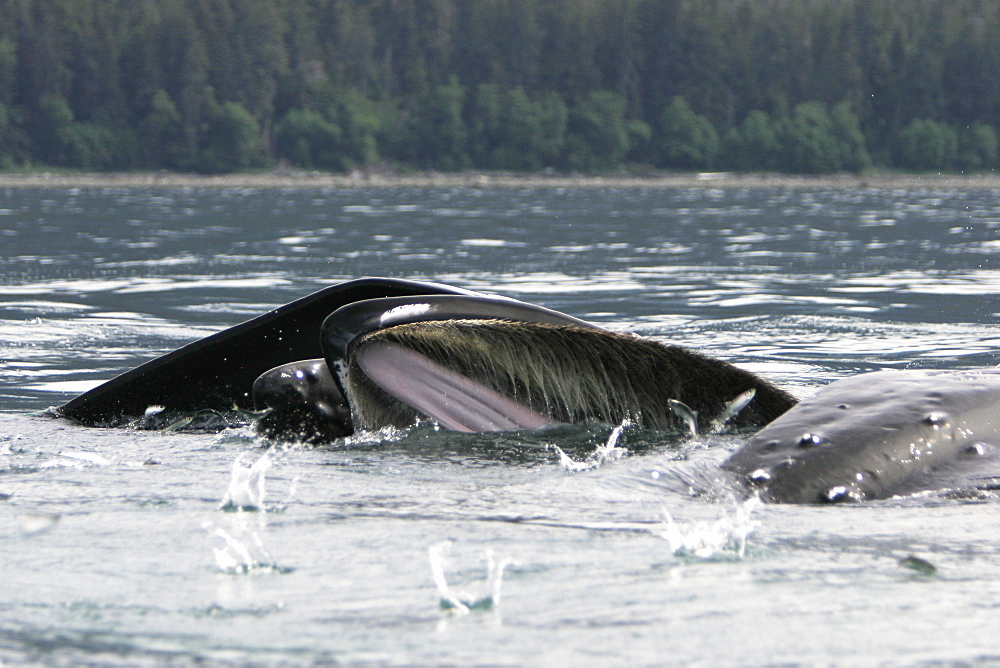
x=974 y=450
x=834 y=494
x=935 y=419
x=810 y=440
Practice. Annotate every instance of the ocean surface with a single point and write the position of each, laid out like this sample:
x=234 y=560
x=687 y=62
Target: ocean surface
x=427 y=547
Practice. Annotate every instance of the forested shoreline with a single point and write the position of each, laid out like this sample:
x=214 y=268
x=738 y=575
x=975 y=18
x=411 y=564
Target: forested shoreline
x=214 y=86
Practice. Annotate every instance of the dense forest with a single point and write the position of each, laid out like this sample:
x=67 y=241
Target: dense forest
x=807 y=86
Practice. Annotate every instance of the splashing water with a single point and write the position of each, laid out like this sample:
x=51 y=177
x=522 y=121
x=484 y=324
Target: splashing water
x=379 y=436
x=608 y=452
x=461 y=603
x=244 y=552
x=246 y=486
x=32 y=525
x=235 y=557
x=705 y=540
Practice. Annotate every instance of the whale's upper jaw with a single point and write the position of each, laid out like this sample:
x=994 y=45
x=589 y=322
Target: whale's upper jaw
x=878 y=435
x=301 y=402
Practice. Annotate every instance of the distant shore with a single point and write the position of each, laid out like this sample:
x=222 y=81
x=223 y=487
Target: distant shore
x=305 y=179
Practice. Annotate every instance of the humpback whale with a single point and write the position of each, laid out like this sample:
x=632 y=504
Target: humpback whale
x=380 y=352
x=878 y=435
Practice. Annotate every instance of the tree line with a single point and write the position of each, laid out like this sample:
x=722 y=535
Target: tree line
x=805 y=86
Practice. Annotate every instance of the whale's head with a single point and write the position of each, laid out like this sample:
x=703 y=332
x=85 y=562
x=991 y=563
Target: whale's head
x=303 y=402
x=877 y=435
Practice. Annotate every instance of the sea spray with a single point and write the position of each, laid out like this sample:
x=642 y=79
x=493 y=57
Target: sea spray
x=235 y=557
x=608 y=452
x=726 y=536
x=247 y=484
x=375 y=437
x=244 y=550
x=462 y=602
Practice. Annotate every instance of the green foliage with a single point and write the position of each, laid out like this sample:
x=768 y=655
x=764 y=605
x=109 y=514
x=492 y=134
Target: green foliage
x=435 y=133
x=597 y=132
x=160 y=130
x=640 y=137
x=8 y=70
x=92 y=146
x=6 y=150
x=846 y=128
x=509 y=131
x=231 y=142
x=978 y=148
x=14 y=143
x=362 y=122
x=685 y=140
x=306 y=139
x=211 y=85
x=926 y=145
x=553 y=118
x=51 y=130
x=64 y=142
x=753 y=144
x=809 y=143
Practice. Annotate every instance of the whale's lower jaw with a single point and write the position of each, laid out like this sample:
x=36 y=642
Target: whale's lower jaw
x=218 y=371
x=879 y=435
